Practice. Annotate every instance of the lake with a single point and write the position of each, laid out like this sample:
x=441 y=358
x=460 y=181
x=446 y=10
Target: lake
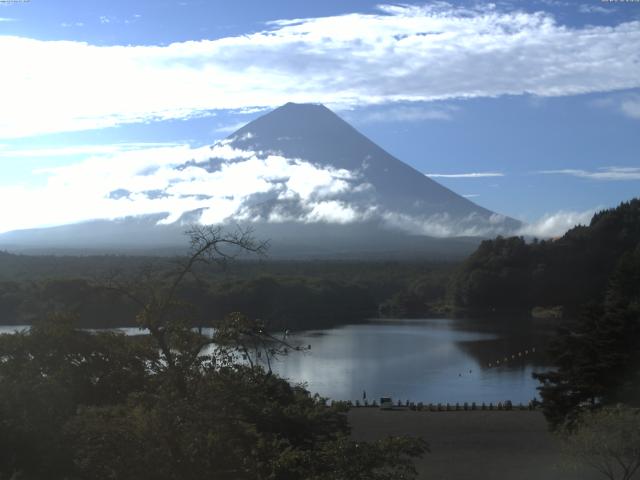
x=430 y=360
x=433 y=360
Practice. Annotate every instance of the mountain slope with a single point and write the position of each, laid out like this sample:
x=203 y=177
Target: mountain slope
x=299 y=175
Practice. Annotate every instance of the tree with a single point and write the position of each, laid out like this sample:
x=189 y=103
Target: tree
x=607 y=440
x=176 y=404
x=597 y=358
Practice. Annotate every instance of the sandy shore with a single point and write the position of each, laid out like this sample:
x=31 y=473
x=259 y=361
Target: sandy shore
x=491 y=445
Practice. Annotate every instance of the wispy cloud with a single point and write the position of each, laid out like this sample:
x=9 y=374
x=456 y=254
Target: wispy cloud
x=556 y=224
x=589 y=8
x=71 y=24
x=628 y=104
x=5 y=19
x=604 y=173
x=75 y=150
x=465 y=175
x=400 y=54
x=407 y=114
x=230 y=128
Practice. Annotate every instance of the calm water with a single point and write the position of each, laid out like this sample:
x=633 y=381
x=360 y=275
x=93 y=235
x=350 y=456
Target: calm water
x=421 y=360
x=435 y=360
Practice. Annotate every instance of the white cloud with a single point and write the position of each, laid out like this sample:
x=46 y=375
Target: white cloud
x=78 y=150
x=465 y=175
x=604 y=173
x=403 y=53
x=471 y=195
x=230 y=128
x=627 y=104
x=556 y=224
x=630 y=106
x=408 y=114
x=5 y=19
x=156 y=179
x=444 y=225
x=333 y=211
x=589 y=8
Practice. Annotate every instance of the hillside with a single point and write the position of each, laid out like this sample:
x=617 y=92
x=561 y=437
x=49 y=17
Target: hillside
x=511 y=274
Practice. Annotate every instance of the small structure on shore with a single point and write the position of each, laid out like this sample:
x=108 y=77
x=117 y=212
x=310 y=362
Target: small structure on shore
x=386 y=403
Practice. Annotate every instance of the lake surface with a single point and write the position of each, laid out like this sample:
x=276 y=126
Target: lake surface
x=422 y=360
x=431 y=360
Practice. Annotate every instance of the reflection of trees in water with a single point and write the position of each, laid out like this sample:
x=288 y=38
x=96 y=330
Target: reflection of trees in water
x=489 y=351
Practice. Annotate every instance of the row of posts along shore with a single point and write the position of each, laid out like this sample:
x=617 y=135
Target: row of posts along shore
x=442 y=407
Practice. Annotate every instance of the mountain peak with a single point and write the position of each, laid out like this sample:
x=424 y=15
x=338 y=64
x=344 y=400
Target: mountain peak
x=303 y=107
x=295 y=119
x=310 y=132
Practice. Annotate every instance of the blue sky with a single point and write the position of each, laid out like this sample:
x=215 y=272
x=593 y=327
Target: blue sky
x=530 y=109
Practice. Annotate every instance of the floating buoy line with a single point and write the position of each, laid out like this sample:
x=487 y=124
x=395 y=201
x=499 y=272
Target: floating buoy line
x=509 y=358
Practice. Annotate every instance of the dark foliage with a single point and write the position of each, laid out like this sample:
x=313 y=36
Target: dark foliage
x=292 y=295
x=597 y=358
x=509 y=274
x=175 y=404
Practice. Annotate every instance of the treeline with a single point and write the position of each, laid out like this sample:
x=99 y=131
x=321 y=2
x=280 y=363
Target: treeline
x=292 y=295
x=509 y=274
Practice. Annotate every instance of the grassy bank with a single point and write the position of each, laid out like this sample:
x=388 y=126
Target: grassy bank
x=483 y=445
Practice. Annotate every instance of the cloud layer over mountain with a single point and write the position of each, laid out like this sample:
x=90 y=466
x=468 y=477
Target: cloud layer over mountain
x=402 y=53
x=215 y=185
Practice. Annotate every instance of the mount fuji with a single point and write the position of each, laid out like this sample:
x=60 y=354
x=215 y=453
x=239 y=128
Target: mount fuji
x=299 y=175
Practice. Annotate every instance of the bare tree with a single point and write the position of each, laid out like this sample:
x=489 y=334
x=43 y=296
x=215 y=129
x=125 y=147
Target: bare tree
x=169 y=319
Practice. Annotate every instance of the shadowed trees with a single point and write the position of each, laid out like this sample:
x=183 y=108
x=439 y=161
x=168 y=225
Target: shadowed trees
x=175 y=404
x=597 y=357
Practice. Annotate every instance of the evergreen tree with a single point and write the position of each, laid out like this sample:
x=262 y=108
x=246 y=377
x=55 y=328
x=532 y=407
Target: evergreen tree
x=597 y=358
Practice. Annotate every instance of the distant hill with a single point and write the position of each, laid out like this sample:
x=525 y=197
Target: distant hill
x=302 y=177
x=513 y=275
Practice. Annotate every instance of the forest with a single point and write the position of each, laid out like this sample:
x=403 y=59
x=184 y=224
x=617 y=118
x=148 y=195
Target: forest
x=516 y=275
x=291 y=295
x=503 y=276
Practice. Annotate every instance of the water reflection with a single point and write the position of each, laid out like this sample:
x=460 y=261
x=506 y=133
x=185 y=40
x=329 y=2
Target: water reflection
x=421 y=360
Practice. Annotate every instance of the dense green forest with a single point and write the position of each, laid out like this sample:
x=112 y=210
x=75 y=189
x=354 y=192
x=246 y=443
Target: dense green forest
x=285 y=294
x=512 y=275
